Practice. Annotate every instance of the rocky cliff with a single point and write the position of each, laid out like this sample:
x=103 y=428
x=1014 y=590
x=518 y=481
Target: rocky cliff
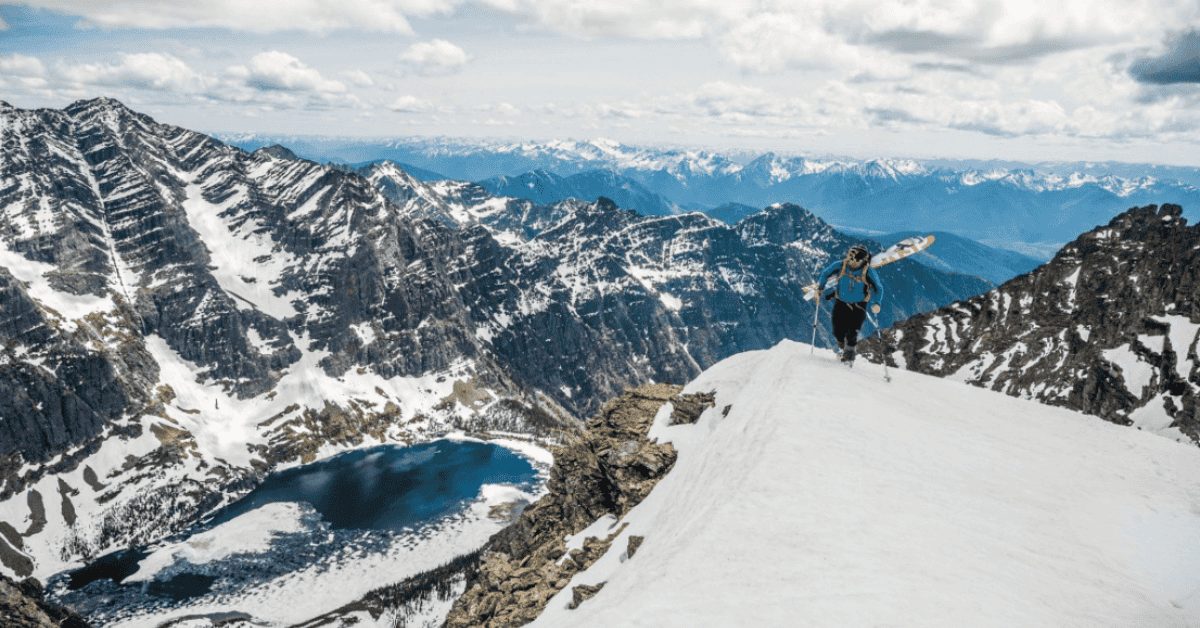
x=606 y=472
x=1108 y=327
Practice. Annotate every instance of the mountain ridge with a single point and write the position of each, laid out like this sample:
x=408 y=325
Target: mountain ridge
x=1107 y=327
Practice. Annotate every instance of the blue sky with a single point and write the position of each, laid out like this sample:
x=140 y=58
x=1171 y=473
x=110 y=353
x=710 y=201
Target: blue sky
x=1069 y=80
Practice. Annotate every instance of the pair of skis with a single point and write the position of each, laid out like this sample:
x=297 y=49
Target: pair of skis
x=894 y=253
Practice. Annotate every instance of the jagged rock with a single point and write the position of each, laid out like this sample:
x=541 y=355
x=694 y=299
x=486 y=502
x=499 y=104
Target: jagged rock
x=583 y=592
x=608 y=469
x=1107 y=327
x=688 y=408
x=635 y=542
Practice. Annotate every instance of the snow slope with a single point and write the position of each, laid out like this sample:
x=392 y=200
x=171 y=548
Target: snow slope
x=827 y=497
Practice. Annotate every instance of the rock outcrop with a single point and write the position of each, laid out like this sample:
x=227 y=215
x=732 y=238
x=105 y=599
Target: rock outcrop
x=22 y=606
x=607 y=471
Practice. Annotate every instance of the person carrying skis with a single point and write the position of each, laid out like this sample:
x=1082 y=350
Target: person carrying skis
x=858 y=287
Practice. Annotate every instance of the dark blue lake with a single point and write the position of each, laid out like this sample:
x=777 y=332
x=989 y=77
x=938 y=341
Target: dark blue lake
x=390 y=487
x=360 y=496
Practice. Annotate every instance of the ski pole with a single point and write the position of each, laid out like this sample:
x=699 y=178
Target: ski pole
x=812 y=346
x=887 y=377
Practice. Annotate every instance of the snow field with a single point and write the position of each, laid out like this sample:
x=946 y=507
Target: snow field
x=829 y=498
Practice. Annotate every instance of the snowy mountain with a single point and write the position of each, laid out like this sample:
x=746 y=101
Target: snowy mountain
x=180 y=316
x=1108 y=327
x=477 y=159
x=546 y=188
x=994 y=201
x=780 y=488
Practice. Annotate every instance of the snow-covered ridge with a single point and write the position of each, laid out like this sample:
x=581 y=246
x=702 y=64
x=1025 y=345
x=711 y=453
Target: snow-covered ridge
x=572 y=155
x=810 y=494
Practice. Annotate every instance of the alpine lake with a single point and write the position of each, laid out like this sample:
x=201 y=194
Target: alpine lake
x=364 y=507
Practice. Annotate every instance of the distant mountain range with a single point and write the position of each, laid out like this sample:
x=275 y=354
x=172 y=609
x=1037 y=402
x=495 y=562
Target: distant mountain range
x=999 y=202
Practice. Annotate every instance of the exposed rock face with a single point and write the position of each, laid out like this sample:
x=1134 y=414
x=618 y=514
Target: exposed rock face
x=608 y=470
x=68 y=397
x=22 y=606
x=1108 y=327
x=688 y=408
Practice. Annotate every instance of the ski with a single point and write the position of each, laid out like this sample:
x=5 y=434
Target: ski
x=893 y=253
x=901 y=250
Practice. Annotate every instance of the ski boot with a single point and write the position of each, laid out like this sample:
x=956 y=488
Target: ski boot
x=848 y=356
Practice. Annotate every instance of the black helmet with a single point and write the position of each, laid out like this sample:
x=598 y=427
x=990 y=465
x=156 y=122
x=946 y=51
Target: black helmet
x=858 y=253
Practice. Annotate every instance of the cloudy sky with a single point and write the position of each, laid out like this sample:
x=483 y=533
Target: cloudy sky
x=1022 y=79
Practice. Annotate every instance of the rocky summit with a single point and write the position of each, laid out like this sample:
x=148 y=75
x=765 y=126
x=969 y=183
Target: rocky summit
x=180 y=316
x=1108 y=327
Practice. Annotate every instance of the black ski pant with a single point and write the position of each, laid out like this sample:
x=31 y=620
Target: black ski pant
x=847 y=320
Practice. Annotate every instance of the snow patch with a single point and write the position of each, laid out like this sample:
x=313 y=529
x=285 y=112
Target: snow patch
x=245 y=261
x=1136 y=372
x=247 y=534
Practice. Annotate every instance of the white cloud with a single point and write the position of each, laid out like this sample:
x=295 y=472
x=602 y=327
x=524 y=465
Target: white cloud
x=359 y=78
x=271 y=80
x=279 y=71
x=3 y=24
x=785 y=68
x=143 y=70
x=410 y=104
x=500 y=108
x=772 y=42
x=261 y=16
x=21 y=74
x=642 y=19
x=21 y=65
x=437 y=56
x=773 y=35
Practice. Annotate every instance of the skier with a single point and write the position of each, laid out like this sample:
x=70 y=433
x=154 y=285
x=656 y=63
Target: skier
x=858 y=287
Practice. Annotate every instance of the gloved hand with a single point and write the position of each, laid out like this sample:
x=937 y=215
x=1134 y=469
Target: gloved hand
x=874 y=308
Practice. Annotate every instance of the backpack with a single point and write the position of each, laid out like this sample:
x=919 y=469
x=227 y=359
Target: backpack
x=862 y=278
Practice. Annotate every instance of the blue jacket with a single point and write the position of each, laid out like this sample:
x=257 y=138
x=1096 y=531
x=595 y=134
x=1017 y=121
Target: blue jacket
x=849 y=288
